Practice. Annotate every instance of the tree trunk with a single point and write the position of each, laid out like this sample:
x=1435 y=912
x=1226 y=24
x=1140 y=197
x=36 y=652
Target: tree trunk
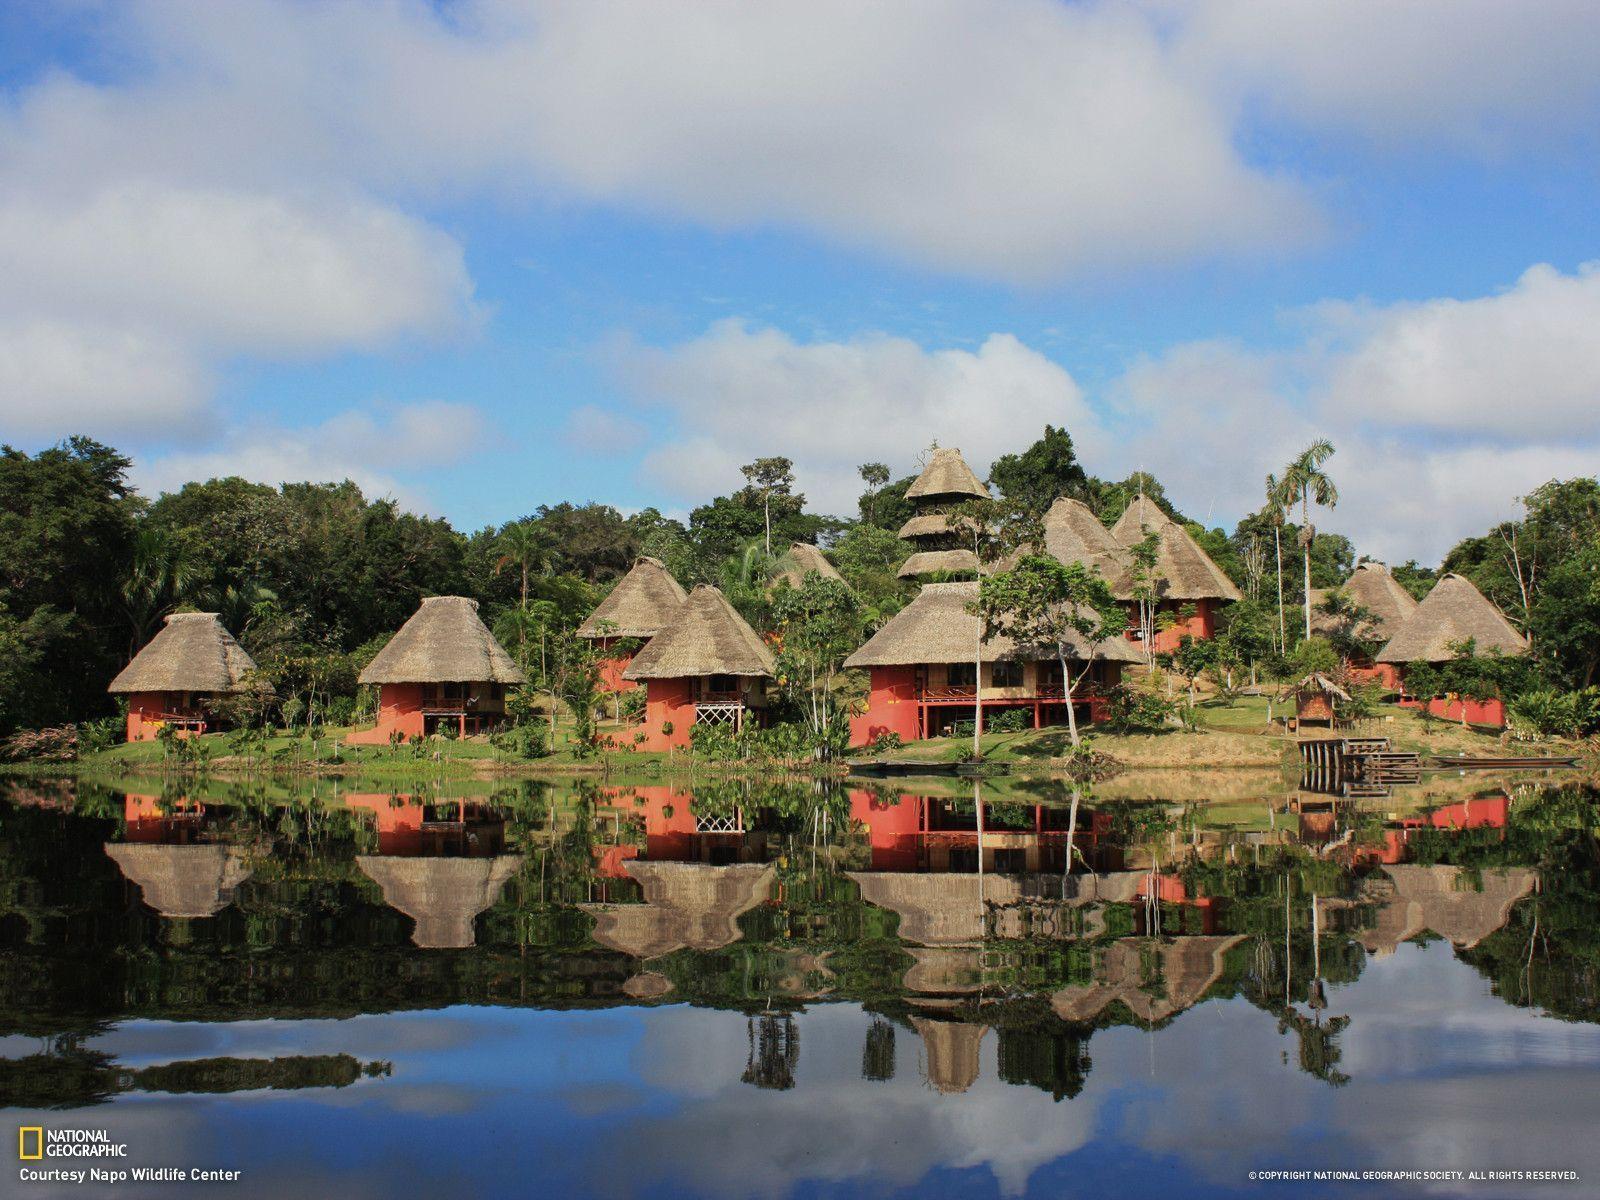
x=1283 y=633
x=1305 y=513
x=1066 y=687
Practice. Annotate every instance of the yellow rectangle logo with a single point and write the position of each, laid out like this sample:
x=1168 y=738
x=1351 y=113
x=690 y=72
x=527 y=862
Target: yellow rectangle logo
x=38 y=1142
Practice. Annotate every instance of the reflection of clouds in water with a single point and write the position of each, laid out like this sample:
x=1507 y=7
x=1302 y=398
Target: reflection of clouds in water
x=835 y=1126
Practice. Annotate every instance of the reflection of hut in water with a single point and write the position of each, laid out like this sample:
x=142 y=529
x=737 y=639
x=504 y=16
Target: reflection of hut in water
x=950 y=1053
x=685 y=905
x=911 y=833
x=1154 y=980
x=408 y=824
x=945 y=909
x=1443 y=899
x=774 y=1051
x=442 y=895
x=147 y=818
x=646 y=985
x=1052 y=1059
x=182 y=881
x=674 y=829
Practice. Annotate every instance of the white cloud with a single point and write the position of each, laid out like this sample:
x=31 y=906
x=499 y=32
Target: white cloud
x=599 y=431
x=1443 y=411
x=367 y=447
x=1477 y=74
x=739 y=392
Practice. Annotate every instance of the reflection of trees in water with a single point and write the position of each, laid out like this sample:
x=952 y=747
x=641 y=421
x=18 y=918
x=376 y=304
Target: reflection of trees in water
x=774 y=1051
x=1319 y=1044
x=73 y=1077
x=877 y=1055
x=1052 y=1060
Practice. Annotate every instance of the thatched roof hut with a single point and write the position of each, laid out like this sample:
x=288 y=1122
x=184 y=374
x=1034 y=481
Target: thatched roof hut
x=952 y=1049
x=195 y=880
x=685 y=905
x=1415 y=898
x=1373 y=588
x=1072 y=533
x=953 y=910
x=442 y=895
x=931 y=562
x=192 y=653
x=443 y=642
x=1187 y=967
x=643 y=601
x=1452 y=612
x=706 y=636
x=800 y=561
x=946 y=476
x=937 y=628
x=1188 y=570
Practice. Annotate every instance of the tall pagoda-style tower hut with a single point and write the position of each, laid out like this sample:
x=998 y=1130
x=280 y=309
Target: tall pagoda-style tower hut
x=925 y=670
x=176 y=679
x=945 y=482
x=1372 y=588
x=1452 y=613
x=442 y=670
x=644 y=600
x=1186 y=575
x=706 y=667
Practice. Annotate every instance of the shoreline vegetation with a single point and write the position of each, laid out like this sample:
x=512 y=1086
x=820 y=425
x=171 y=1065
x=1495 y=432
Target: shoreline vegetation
x=1230 y=735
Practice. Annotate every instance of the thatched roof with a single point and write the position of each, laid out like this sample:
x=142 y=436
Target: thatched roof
x=182 y=881
x=1318 y=682
x=926 y=525
x=642 y=602
x=946 y=474
x=1186 y=968
x=443 y=642
x=192 y=653
x=442 y=895
x=685 y=905
x=706 y=636
x=951 y=1066
x=1445 y=900
x=937 y=628
x=1452 y=612
x=929 y=562
x=946 y=909
x=1373 y=588
x=1188 y=570
x=1072 y=533
x=802 y=559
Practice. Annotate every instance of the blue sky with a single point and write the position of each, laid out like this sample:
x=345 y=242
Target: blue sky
x=483 y=255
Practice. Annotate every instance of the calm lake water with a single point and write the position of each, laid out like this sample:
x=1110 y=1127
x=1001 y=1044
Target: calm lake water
x=739 y=990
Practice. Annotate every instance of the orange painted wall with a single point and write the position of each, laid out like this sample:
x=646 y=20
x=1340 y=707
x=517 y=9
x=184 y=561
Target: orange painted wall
x=399 y=709
x=891 y=706
x=666 y=702
x=1202 y=626
x=1450 y=708
x=612 y=667
x=1386 y=674
x=144 y=712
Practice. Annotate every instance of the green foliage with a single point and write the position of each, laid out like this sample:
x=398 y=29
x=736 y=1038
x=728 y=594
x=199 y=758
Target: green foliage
x=818 y=625
x=1045 y=471
x=1314 y=655
x=1547 y=713
x=1131 y=710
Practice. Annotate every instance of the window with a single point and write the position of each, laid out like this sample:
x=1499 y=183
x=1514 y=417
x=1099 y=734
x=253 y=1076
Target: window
x=960 y=675
x=1006 y=675
x=723 y=685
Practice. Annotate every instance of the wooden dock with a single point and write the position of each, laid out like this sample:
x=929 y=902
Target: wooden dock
x=1369 y=760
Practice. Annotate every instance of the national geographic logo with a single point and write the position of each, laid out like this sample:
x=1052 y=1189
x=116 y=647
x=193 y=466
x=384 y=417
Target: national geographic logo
x=30 y=1143
x=34 y=1142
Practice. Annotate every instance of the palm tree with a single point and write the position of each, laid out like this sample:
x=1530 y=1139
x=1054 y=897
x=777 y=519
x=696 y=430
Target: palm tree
x=164 y=573
x=1277 y=511
x=526 y=546
x=1305 y=480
